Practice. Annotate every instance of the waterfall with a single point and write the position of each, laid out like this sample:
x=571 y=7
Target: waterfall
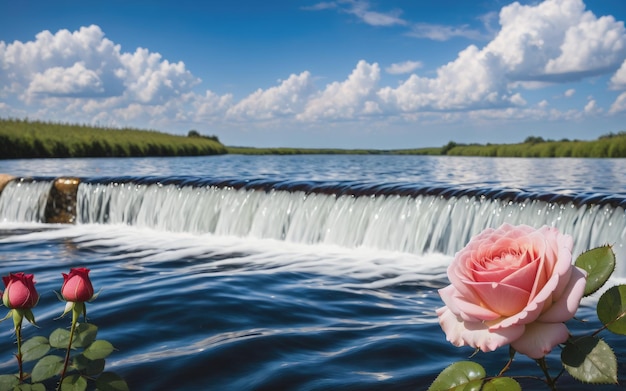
x=24 y=201
x=415 y=224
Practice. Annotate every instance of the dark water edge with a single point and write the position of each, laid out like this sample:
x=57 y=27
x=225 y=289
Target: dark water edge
x=203 y=316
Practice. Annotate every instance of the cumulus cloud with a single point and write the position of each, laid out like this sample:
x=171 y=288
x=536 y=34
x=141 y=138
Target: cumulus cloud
x=403 y=67
x=592 y=107
x=348 y=99
x=73 y=81
x=619 y=106
x=84 y=63
x=618 y=81
x=286 y=99
x=536 y=43
x=150 y=79
x=82 y=74
x=556 y=41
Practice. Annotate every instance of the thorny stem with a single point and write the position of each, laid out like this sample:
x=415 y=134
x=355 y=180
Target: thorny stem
x=76 y=311
x=508 y=364
x=17 y=320
x=549 y=381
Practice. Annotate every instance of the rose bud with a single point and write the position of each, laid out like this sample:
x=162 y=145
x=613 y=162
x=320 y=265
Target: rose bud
x=20 y=292
x=77 y=285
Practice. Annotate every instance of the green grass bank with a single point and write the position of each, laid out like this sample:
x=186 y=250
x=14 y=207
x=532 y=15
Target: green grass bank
x=36 y=139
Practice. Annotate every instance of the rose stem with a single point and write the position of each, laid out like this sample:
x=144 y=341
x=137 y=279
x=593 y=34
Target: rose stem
x=544 y=368
x=75 y=314
x=18 y=333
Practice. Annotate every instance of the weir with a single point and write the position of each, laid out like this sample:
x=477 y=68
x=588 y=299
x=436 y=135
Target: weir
x=393 y=217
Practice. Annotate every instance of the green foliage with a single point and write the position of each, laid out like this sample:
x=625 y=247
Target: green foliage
x=86 y=366
x=35 y=348
x=36 y=139
x=612 y=309
x=590 y=360
x=47 y=367
x=462 y=375
x=599 y=264
x=603 y=147
x=109 y=381
x=502 y=384
x=8 y=382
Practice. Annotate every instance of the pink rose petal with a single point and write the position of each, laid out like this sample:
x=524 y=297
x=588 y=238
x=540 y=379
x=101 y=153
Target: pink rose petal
x=475 y=334
x=540 y=338
x=565 y=307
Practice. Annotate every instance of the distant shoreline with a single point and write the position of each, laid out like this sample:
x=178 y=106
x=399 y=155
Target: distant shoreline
x=24 y=139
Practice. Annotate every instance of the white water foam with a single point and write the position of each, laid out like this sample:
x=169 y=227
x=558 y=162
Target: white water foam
x=138 y=248
x=22 y=201
x=415 y=225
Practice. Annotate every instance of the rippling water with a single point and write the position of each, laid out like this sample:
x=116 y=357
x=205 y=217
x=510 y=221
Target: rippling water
x=200 y=310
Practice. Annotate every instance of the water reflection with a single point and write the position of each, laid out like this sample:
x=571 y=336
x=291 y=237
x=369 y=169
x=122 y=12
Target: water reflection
x=555 y=175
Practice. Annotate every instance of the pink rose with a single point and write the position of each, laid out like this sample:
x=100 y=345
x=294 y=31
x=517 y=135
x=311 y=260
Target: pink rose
x=20 y=291
x=512 y=285
x=77 y=285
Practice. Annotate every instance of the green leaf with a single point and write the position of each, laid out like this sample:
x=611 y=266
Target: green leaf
x=458 y=376
x=30 y=387
x=612 y=308
x=98 y=349
x=599 y=264
x=85 y=334
x=590 y=360
x=502 y=384
x=110 y=381
x=7 y=382
x=35 y=348
x=87 y=366
x=74 y=383
x=60 y=338
x=46 y=368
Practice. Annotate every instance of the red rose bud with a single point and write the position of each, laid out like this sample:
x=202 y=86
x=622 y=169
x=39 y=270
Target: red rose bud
x=77 y=286
x=20 y=291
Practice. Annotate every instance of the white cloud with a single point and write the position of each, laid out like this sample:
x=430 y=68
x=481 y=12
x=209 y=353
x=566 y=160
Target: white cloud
x=557 y=40
x=619 y=106
x=474 y=80
x=534 y=45
x=60 y=56
x=618 y=81
x=438 y=32
x=348 y=99
x=73 y=81
x=84 y=63
x=150 y=79
x=324 y=5
x=288 y=98
x=403 y=67
x=85 y=76
x=360 y=9
x=592 y=107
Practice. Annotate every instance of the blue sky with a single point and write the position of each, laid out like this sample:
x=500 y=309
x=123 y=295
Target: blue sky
x=307 y=73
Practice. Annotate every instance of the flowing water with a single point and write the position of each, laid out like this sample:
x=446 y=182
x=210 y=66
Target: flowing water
x=290 y=272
